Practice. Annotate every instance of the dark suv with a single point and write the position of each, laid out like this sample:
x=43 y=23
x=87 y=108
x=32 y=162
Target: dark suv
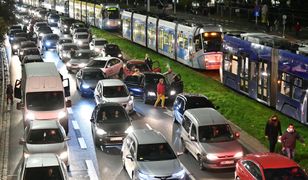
x=64 y=24
x=185 y=101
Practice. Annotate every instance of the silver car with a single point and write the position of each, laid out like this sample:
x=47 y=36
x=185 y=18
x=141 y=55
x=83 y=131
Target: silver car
x=66 y=51
x=82 y=40
x=45 y=137
x=79 y=60
x=146 y=154
x=97 y=45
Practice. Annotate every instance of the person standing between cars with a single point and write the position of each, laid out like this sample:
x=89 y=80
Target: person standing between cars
x=298 y=28
x=148 y=61
x=273 y=131
x=9 y=94
x=161 y=89
x=288 y=140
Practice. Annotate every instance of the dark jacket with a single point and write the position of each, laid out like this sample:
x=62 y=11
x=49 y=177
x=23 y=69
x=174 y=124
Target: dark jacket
x=288 y=139
x=273 y=131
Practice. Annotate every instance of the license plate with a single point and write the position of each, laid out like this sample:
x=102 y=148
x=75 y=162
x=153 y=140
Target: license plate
x=226 y=162
x=116 y=139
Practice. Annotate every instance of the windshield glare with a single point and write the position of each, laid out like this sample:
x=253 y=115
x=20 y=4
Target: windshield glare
x=93 y=75
x=215 y=133
x=112 y=114
x=212 y=42
x=45 y=136
x=285 y=173
x=98 y=64
x=37 y=101
x=155 y=152
x=46 y=173
x=115 y=91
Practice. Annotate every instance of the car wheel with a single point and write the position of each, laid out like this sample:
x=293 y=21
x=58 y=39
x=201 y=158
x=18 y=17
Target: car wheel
x=145 y=98
x=200 y=163
x=68 y=167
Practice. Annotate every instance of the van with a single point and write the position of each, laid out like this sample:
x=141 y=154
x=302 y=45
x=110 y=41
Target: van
x=210 y=139
x=42 y=93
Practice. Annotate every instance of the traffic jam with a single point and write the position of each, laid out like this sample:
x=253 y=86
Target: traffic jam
x=72 y=83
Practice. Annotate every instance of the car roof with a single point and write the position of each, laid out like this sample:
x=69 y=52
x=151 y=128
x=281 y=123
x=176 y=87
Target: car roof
x=189 y=95
x=81 y=33
x=89 y=69
x=206 y=116
x=41 y=160
x=271 y=160
x=112 y=82
x=148 y=136
x=104 y=58
x=135 y=61
x=46 y=124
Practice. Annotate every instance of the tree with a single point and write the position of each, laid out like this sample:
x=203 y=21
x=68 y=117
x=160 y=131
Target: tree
x=6 y=16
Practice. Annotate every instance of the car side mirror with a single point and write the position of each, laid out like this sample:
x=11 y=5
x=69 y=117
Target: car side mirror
x=92 y=120
x=179 y=153
x=237 y=135
x=193 y=138
x=19 y=106
x=68 y=103
x=67 y=138
x=22 y=141
x=130 y=157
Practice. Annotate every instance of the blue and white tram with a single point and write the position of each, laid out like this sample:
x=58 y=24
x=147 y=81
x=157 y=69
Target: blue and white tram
x=196 y=46
x=277 y=78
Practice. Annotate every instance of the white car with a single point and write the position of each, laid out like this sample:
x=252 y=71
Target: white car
x=114 y=90
x=146 y=154
x=45 y=137
x=42 y=166
x=82 y=40
x=97 y=45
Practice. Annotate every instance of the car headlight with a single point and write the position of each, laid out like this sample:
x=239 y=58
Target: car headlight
x=238 y=155
x=48 y=43
x=68 y=64
x=11 y=38
x=79 y=43
x=150 y=93
x=62 y=115
x=211 y=157
x=120 y=55
x=172 y=92
x=81 y=65
x=21 y=53
x=119 y=22
x=143 y=176
x=85 y=86
x=26 y=155
x=30 y=116
x=179 y=174
x=52 y=21
x=64 y=155
x=15 y=46
x=129 y=130
x=65 y=26
x=100 y=131
x=97 y=49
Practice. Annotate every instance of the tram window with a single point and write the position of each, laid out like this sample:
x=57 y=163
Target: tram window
x=252 y=70
x=234 y=66
x=285 y=88
x=298 y=82
x=297 y=94
x=198 y=45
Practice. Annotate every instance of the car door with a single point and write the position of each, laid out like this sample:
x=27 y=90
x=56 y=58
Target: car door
x=131 y=163
x=178 y=109
x=192 y=144
x=185 y=130
x=109 y=71
x=253 y=172
x=117 y=66
x=97 y=93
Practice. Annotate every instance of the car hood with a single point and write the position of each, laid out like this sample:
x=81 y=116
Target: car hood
x=118 y=99
x=45 y=148
x=114 y=128
x=160 y=168
x=46 y=115
x=91 y=83
x=78 y=61
x=229 y=148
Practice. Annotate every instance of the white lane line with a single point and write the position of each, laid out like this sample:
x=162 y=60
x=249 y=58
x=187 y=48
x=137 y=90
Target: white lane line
x=82 y=143
x=91 y=170
x=75 y=125
x=69 y=110
x=188 y=173
x=169 y=113
x=148 y=126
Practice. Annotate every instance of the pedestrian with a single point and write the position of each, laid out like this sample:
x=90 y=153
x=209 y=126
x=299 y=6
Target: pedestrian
x=148 y=61
x=9 y=94
x=298 y=28
x=273 y=131
x=288 y=140
x=264 y=11
x=161 y=89
x=136 y=72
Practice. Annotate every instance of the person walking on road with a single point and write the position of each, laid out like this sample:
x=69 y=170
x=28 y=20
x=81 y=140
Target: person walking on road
x=161 y=89
x=297 y=28
x=9 y=94
x=273 y=131
x=288 y=140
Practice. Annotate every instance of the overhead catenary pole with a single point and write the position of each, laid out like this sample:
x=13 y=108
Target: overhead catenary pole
x=148 y=5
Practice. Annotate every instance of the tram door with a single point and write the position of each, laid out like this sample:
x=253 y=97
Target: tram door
x=244 y=73
x=263 y=80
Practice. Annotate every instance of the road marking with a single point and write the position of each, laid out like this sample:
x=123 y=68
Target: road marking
x=69 y=110
x=188 y=173
x=91 y=170
x=75 y=125
x=148 y=126
x=169 y=113
x=82 y=143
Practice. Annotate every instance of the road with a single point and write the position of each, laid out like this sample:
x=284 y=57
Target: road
x=88 y=161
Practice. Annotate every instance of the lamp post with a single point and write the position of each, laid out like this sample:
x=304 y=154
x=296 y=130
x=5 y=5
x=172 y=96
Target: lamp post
x=148 y=5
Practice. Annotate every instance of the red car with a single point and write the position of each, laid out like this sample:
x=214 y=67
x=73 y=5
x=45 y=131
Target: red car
x=130 y=65
x=268 y=166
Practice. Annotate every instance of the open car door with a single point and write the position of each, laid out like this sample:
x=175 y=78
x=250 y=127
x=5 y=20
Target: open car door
x=134 y=85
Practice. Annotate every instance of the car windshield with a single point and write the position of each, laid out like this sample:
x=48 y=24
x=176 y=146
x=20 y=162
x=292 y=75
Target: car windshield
x=83 y=36
x=45 y=31
x=52 y=37
x=113 y=13
x=155 y=152
x=112 y=114
x=41 y=25
x=99 y=64
x=115 y=91
x=141 y=66
x=82 y=55
x=65 y=41
x=93 y=75
x=54 y=16
x=36 y=101
x=198 y=102
x=100 y=42
x=32 y=51
x=153 y=78
x=44 y=136
x=292 y=173
x=46 y=173
x=112 y=48
x=69 y=47
x=81 y=30
x=215 y=133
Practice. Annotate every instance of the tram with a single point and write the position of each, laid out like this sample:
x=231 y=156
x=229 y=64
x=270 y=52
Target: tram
x=275 y=77
x=196 y=46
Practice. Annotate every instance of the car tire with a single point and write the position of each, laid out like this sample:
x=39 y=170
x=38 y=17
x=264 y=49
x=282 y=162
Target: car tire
x=145 y=99
x=200 y=163
x=184 y=146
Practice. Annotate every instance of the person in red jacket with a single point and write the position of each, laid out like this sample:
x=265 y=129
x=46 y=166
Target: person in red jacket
x=160 y=93
x=288 y=140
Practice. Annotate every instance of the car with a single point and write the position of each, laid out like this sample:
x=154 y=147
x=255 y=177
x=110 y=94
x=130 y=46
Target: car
x=46 y=137
x=186 y=101
x=42 y=31
x=49 y=41
x=145 y=84
x=15 y=44
x=79 y=60
x=82 y=40
x=20 y=15
x=26 y=44
x=15 y=26
x=31 y=59
x=87 y=79
x=130 y=66
x=110 y=124
x=63 y=40
x=97 y=45
x=39 y=24
x=76 y=25
x=28 y=51
x=65 y=51
x=64 y=24
x=53 y=19
x=109 y=65
x=206 y=134
x=114 y=90
x=42 y=166
x=41 y=14
x=112 y=50
x=11 y=34
x=25 y=20
x=263 y=166
x=147 y=154
x=81 y=30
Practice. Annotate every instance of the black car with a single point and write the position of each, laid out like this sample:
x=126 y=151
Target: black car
x=112 y=50
x=110 y=124
x=65 y=24
x=15 y=44
x=11 y=33
x=53 y=19
x=49 y=41
x=144 y=85
x=26 y=44
x=184 y=102
x=28 y=51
